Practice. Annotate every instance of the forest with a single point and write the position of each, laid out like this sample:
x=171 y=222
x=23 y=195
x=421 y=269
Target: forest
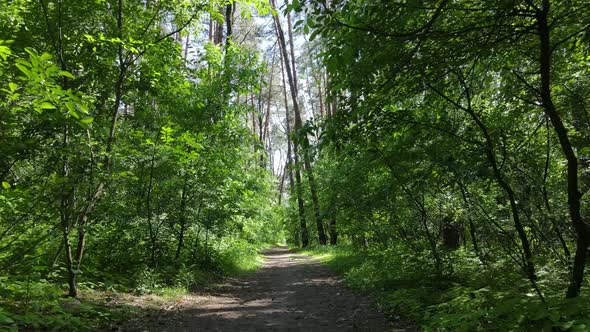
x=434 y=153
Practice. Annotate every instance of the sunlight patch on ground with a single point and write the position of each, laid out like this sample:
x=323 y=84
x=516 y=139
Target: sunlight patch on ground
x=146 y=301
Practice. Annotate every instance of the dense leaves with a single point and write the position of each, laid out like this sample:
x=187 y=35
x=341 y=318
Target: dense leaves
x=126 y=158
x=456 y=146
x=443 y=145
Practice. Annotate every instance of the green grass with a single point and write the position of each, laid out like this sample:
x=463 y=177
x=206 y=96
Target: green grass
x=340 y=259
x=170 y=292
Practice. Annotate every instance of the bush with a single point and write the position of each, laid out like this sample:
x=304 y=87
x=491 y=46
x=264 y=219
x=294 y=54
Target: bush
x=406 y=286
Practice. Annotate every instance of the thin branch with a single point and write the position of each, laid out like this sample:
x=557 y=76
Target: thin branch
x=182 y=27
x=416 y=33
x=570 y=37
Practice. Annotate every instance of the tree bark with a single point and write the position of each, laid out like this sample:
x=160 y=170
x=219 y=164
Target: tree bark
x=148 y=205
x=182 y=218
x=470 y=220
x=298 y=185
x=65 y=207
x=229 y=22
x=333 y=231
x=574 y=196
x=304 y=139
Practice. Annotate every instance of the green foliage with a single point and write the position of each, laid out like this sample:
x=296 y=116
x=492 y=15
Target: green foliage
x=442 y=161
x=439 y=160
x=128 y=149
x=469 y=301
x=39 y=305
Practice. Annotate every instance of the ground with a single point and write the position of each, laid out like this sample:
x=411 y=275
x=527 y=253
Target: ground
x=291 y=292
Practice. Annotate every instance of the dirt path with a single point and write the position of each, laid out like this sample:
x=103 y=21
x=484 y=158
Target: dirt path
x=291 y=292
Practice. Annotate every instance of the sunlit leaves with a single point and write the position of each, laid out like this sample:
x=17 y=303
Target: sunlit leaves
x=115 y=119
x=166 y=134
x=44 y=106
x=87 y=120
x=4 y=50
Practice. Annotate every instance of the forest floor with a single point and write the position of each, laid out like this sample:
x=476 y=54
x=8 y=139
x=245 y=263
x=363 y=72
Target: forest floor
x=290 y=292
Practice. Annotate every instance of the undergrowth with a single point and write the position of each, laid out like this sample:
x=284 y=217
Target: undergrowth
x=474 y=297
x=40 y=304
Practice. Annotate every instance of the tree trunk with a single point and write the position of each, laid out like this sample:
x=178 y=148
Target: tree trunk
x=333 y=231
x=289 y=165
x=182 y=219
x=65 y=207
x=527 y=255
x=229 y=22
x=574 y=196
x=299 y=189
x=470 y=220
x=524 y=240
x=72 y=285
x=148 y=205
x=305 y=143
x=211 y=28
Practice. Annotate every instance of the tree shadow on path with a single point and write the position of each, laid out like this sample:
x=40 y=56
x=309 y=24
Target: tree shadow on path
x=291 y=292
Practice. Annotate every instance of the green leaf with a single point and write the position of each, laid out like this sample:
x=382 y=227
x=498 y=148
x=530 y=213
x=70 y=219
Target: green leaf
x=75 y=115
x=87 y=120
x=6 y=185
x=70 y=107
x=47 y=106
x=66 y=74
x=12 y=86
x=24 y=69
x=4 y=52
x=45 y=56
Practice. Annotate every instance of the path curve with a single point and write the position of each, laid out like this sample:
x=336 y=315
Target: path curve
x=290 y=292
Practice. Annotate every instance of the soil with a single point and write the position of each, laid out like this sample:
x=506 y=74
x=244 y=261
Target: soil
x=291 y=292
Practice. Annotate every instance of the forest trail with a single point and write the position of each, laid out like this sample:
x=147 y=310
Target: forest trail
x=290 y=292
